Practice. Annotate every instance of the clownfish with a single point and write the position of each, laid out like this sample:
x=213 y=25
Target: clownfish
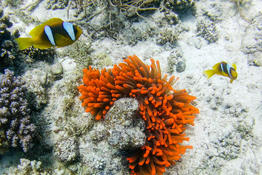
x=223 y=69
x=52 y=33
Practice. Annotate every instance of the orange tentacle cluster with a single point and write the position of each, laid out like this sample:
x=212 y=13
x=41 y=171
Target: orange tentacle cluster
x=165 y=111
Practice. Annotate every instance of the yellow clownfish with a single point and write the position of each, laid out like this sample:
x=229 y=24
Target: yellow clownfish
x=223 y=69
x=54 y=32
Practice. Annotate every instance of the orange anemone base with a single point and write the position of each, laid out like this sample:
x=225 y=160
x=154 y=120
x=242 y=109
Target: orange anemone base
x=165 y=110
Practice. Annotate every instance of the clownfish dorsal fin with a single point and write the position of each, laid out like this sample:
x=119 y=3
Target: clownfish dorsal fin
x=51 y=22
x=216 y=66
x=234 y=66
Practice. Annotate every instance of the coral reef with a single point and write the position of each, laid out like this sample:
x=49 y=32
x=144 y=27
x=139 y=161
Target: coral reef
x=35 y=167
x=252 y=41
x=179 y=5
x=133 y=7
x=16 y=127
x=207 y=29
x=112 y=18
x=167 y=35
x=230 y=146
x=8 y=50
x=108 y=22
x=28 y=167
x=169 y=16
x=75 y=137
x=236 y=143
x=66 y=149
x=137 y=32
x=60 y=112
x=241 y=6
x=56 y=4
x=13 y=3
x=227 y=136
x=80 y=52
x=165 y=111
x=212 y=11
x=36 y=83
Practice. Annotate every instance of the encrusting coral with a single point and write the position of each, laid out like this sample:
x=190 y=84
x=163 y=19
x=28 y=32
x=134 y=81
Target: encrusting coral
x=165 y=110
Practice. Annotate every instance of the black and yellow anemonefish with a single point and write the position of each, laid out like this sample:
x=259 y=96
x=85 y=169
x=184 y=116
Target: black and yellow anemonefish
x=54 y=32
x=223 y=69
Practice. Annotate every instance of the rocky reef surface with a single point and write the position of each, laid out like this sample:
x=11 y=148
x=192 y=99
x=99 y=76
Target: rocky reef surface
x=186 y=36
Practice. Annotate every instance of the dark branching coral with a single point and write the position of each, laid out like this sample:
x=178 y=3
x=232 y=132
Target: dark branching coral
x=132 y=7
x=165 y=110
x=33 y=54
x=179 y=5
x=8 y=48
x=15 y=127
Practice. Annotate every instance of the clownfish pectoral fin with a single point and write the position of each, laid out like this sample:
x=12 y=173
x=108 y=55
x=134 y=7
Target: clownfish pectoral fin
x=24 y=43
x=42 y=46
x=209 y=73
x=234 y=66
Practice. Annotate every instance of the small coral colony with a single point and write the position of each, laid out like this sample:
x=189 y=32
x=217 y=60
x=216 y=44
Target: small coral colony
x=166 y=111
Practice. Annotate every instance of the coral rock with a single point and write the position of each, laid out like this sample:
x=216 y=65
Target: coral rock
x=126 y=131
x=66 y=149
x=109 y=141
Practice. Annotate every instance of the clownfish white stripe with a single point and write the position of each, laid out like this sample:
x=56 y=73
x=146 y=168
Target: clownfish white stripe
x=69 y=28
x=228 y=71
x=49 y=34
x=221 y=67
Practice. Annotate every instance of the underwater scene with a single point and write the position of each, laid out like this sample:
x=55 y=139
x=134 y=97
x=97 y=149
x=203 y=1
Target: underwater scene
x=130 y=87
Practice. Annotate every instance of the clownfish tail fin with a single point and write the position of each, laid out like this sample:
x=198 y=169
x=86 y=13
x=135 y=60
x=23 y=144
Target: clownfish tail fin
x=209 y=73
x=24 y=43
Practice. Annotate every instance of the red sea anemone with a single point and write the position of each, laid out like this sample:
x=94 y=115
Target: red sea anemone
x=165 y=110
